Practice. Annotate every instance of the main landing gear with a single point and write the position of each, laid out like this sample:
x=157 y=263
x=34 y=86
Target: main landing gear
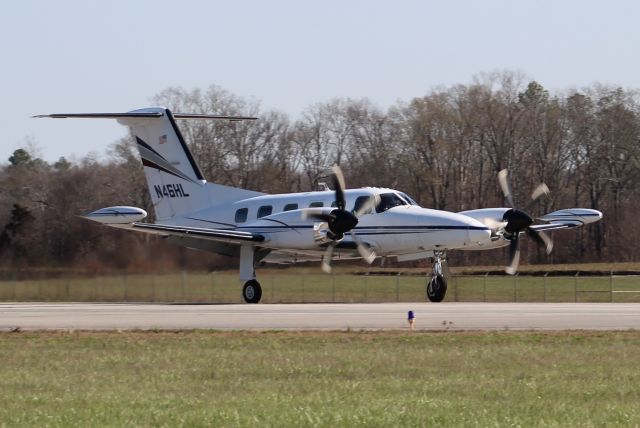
x=252 y=292
x=437 y=285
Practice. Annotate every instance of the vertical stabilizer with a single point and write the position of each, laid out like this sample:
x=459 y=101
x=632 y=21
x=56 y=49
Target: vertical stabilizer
x=175 y=182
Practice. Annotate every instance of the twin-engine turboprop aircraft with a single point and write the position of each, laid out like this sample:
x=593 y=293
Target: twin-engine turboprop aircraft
x=367 y=222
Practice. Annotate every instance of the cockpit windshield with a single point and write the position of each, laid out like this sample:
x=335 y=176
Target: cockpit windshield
x=388 y=201
x=409 y=199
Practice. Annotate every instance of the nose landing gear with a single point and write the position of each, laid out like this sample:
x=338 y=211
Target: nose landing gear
x=437 y=284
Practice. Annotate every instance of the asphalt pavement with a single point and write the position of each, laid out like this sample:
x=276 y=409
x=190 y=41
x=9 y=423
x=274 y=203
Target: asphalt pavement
x=379 y=316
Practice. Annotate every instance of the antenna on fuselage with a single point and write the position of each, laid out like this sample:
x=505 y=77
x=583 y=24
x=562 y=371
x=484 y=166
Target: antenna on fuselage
x=323 y=187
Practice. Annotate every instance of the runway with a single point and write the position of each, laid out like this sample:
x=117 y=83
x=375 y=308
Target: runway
x=381 y=316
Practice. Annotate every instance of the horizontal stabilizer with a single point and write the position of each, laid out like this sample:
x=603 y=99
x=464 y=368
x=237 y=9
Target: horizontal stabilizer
x=99 y=115
x=143 y=114
x=212 y=116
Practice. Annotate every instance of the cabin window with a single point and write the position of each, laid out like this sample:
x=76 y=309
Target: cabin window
x=241 y=215
x=265 y=210
x=290 y=207
x=360 y=201
x=388 y=201
x=316 y=204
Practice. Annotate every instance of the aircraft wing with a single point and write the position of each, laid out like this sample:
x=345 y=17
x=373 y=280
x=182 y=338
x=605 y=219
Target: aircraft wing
x=553 y=226
x=220 y=235
x=286 y=256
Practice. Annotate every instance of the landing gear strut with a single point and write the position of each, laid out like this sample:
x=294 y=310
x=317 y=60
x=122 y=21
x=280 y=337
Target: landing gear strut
x=252 y=292
x=437 y=284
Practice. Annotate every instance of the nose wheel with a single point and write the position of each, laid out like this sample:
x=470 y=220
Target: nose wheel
x=436 y=288
x=252 y=291
x=437 y=284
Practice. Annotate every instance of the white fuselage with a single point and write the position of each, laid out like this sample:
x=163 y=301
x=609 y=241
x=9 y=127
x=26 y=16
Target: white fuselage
x=403 y=229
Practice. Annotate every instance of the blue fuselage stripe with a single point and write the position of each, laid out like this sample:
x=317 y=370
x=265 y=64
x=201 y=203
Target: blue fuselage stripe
x=368 y=230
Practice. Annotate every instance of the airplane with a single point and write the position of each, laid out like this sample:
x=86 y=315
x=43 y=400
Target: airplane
x=256 y=227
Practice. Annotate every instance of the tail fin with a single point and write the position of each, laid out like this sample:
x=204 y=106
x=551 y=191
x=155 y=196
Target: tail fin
x=175 y=182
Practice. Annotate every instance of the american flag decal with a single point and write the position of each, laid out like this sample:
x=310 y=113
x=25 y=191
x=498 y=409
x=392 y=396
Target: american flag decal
x=162 y=139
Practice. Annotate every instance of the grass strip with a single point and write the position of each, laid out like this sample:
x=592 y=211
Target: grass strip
x=200 y=378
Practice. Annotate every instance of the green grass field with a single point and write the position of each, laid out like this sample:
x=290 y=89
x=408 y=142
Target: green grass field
x=311 y=286
x=319 y=379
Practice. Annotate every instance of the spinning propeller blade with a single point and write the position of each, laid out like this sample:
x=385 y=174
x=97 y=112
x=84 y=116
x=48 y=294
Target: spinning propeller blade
x=367 y=253
x=517 y=221
x=506 y=189
x=494 y=224
x=368 y=205
x=326 y=259
x=514 y=256
x=542 y=189
x=541 y=239
x=341 y=221
x=338 y=184
x=317 y=213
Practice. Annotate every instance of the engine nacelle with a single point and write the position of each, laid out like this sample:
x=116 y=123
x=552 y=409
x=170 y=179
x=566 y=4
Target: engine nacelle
x=490 y=217
x=486 y=216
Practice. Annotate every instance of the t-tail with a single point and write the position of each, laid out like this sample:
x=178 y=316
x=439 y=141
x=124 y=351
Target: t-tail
x=176 y=184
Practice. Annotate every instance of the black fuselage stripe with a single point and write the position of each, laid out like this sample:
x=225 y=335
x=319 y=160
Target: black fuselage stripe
x=187 y=152
x=148 y=147
x=114 y=213
x=150 y=164
x=571 y=215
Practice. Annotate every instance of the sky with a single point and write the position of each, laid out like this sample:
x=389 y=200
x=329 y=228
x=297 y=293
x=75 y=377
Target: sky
x=92 y=56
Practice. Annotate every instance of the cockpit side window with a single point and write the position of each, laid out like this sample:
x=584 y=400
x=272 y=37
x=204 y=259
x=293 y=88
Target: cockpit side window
x=388 y=201
x=241 y=215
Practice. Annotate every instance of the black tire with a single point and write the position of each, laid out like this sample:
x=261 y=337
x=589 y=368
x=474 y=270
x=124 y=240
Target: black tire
x=436 y=288
x=252 y=292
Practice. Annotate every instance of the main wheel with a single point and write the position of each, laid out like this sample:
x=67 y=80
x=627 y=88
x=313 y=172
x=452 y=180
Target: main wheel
x=252 y=292
x=437 y=288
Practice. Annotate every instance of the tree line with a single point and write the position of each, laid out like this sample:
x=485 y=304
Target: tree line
x=444 y=149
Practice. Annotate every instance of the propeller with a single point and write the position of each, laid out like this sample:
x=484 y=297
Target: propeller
x=515 y=221
x=340 y=221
